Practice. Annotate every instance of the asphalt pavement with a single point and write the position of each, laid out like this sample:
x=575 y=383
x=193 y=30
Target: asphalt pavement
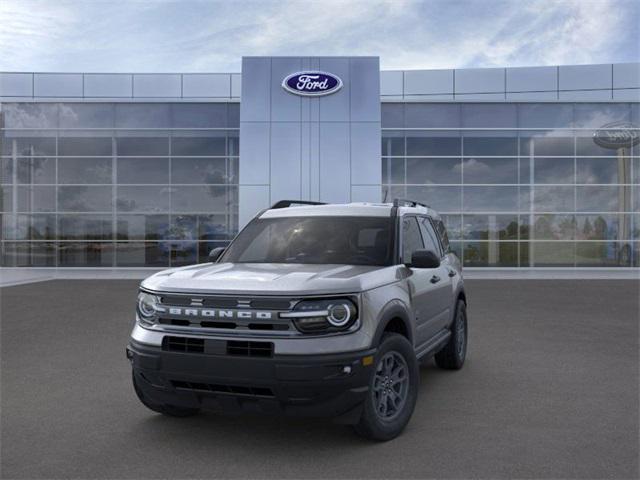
x=549 y=390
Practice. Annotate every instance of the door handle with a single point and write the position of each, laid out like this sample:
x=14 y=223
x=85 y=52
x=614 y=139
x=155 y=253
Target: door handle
x=435 y=279
x=452 y=273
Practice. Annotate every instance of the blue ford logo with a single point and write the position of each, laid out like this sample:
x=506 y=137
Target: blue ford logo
x=312 y=84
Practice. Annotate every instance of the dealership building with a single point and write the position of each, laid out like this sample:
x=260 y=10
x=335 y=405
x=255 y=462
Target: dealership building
x=531 y=167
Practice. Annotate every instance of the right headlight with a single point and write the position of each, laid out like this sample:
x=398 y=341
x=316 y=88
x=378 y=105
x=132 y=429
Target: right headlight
x=147 y=304
x=324 y=315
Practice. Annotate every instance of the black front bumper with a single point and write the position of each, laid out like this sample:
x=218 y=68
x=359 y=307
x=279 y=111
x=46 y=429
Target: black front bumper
x=311 y=385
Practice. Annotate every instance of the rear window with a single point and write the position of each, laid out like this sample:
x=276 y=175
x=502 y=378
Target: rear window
x=314 y=240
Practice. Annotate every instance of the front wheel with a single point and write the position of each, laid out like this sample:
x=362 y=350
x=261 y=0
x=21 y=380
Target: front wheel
x=452 y=356
x=393 y=390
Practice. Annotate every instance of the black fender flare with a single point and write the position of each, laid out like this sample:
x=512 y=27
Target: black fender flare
x=393 y=309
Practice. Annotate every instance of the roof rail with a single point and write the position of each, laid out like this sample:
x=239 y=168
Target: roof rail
x=403 y=202
x=289 y=203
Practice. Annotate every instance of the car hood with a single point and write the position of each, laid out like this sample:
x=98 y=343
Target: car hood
x=271 y=279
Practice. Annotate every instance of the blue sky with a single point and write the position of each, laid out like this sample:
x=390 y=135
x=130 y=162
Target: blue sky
x=212 y=36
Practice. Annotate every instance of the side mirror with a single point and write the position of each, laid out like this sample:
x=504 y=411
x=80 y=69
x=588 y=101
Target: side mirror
x=424 y=259
x=214 y=254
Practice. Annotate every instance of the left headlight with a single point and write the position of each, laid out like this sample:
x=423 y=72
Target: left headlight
x=324 y=315
x=147 y=304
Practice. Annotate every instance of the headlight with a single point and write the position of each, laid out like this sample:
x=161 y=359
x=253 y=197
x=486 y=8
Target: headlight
x=323 y=316
x=147 y=307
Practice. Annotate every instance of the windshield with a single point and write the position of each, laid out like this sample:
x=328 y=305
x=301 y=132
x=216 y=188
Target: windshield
x=339 y=240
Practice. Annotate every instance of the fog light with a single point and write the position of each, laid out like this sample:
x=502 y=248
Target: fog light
x=368 y=360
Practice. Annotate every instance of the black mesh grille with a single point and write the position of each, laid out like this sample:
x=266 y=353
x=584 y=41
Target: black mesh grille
x=250 y=349
x=183 y=344
x=230 y=389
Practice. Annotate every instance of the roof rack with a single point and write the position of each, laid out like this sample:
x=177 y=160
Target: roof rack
x=289 y=203
x=403 y=202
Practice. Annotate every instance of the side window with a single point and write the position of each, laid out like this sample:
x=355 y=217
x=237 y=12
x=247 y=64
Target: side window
x=444 y=238
x=430 y=239
x=411 y=239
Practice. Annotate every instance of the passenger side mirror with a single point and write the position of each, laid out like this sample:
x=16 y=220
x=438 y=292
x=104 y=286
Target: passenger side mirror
x=424 y=259
x=214 y=254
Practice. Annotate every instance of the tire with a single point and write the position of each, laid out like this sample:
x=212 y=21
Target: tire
x=169 y=410
x=453 y=354
x=385 y=415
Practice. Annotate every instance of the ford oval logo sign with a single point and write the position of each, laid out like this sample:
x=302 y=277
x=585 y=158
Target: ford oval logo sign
x=617 y=135
x=312 y=83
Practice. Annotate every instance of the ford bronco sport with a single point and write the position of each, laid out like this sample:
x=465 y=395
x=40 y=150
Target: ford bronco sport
x=313 y=309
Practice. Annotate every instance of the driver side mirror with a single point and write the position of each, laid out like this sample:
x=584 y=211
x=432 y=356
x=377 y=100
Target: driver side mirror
x=214 y=254
x=424 y=259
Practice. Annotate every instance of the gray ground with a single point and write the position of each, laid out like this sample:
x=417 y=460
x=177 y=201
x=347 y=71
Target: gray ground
x=550 y=389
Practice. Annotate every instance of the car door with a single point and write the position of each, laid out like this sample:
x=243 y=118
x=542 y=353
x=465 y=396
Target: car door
x=423 y=292
x=441 y=303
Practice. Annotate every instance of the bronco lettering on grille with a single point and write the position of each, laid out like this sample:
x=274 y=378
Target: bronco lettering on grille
x=214 y=313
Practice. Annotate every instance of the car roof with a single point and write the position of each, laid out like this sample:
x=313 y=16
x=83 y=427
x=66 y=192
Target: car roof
x=355 y=209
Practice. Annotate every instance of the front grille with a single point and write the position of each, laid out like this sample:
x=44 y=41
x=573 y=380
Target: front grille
x=183 y=344
x=229 y=389
x=227 y=325
x=250 y=349
x=226 y=302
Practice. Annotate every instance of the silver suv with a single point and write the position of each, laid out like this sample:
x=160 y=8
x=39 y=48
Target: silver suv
x=313 y=309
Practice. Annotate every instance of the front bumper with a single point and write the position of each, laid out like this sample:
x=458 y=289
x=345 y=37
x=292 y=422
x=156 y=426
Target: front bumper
x=309 y=385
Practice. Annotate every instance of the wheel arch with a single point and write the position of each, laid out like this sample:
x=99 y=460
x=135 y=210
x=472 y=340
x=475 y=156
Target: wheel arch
x=395 y=318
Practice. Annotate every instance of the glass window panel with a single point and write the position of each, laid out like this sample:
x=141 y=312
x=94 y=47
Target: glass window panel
x=525 y=227
x=201 y=199
x=199 y=115
x=234 y=174
x=636 y=170
x=411 y=238
x=233 y=115
x=490 y=199
x=6 y=199
x=142 y=146
x=142 y=227
x=40 y=146
x=603 y=170
x=603 y=254
x=36 y=254
x=143 y=199
x=142 y=170
x=392 y=115
x=490 y=254
x=84 y=115
x=587 y=147
x=199 y=146
x=442 y=199
x=434 y=170
x=6 y=170
x=525 y=169
x=36 y=170
x=490 y=170
x=553 y=170
x=489 y=115
x=84 y=199
x=392 y=145
x=635 y=231
x=490 y=146
x=545 y=115
x=490 y=227
x=453 y=223
x=554 y=227
x=183 y=227
x=553 y=199
x=139 y=254
x=30 y=115
x=551 y=254
x=429 y=236
x=183 y=253
x=597 y=115
x=214 y=227
x=602 y=198
x=36 y=199
x=142 y=115
x=423 y=145
x=84 y=146
x=94 y=254
x=84 y=170
x=85 y=227
x=29 y=227
x=397 y=170
x=541 y=144
x=432 y=115
x=199 y=170
x=604 y=226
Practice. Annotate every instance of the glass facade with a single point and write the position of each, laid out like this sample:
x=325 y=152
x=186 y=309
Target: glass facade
x=117 y=184
x=519 y=185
